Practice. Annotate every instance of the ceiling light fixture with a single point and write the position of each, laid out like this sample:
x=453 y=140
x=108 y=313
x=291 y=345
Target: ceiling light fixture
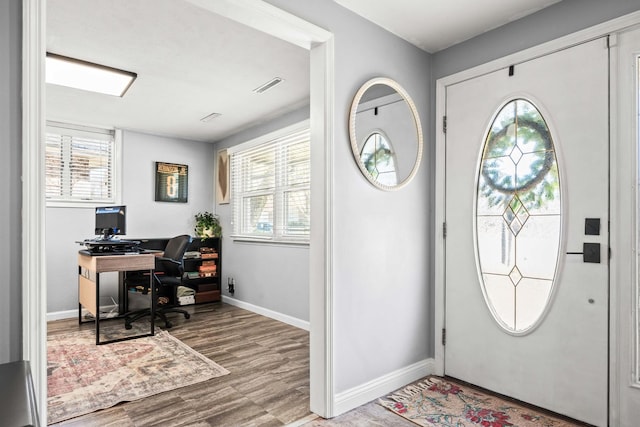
x=210 y=117
x=268 y=85
x=78 y=74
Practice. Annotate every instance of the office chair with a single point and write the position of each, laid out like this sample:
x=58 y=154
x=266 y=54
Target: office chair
x=171 y=267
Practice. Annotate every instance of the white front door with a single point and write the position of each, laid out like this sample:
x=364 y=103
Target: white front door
x=527 y=184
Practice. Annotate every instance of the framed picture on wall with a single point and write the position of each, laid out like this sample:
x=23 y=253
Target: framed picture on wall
x=172 y=182
x=223 y=178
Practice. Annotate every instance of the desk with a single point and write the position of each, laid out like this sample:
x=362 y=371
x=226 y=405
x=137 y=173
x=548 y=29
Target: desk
x=89 y=269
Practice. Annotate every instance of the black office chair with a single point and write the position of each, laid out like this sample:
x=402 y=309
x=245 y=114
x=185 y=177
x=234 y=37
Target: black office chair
x=171 y=268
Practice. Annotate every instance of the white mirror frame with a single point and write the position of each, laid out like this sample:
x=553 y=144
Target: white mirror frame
x=354 y=140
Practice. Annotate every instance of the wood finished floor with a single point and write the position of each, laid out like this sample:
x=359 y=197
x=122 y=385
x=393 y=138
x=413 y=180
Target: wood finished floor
x=268 y=384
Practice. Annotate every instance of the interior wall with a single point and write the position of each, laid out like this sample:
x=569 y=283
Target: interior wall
x=145 y=216
x=270 y=276
x=380 y=259
x=563 y=18
x=10 y=180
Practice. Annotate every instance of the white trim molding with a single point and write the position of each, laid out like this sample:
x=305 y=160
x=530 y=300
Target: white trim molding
x=34 y=296
x=284 y=318
x=62 y=315
x=383 y=385
x=262 y=16
x=321 y=281
x=624 y=384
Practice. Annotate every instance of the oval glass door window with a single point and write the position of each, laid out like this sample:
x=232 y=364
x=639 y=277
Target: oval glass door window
x=518 y=217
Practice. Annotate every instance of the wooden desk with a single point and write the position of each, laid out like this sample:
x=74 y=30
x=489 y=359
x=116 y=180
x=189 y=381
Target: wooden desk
x=89 y=269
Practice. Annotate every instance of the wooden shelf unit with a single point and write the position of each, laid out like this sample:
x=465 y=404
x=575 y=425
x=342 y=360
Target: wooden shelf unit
x=207 y=285
x=207 y=289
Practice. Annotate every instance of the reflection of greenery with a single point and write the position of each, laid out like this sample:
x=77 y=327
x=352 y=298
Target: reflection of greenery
x=519 y=158
x=256 y=206
x=379 y=159
x=298 y=215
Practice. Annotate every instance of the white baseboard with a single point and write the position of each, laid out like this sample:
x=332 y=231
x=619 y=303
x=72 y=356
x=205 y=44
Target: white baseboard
x=70 y=314
x=289 y=320
x=59 y=315
x=379 y=387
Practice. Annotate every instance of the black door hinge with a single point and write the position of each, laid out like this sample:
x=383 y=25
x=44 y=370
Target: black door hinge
x=444 y=124
x=444 y=336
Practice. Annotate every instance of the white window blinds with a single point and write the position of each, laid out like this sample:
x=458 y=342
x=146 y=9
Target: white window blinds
x=271 y=189
x=79 y=164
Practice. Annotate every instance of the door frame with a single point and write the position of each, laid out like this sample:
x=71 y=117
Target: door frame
x=618 y=268
x=255 y=13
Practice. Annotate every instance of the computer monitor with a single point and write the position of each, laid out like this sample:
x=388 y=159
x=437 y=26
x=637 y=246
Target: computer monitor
x=110 y=221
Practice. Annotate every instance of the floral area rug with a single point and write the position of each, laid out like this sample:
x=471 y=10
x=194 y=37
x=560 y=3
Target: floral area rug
x=83 y=377
x=437 y=402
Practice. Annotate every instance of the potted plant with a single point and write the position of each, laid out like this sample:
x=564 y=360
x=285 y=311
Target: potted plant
x=207 y=225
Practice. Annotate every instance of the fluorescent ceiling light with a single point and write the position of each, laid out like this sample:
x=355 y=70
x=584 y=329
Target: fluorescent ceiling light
x=70 y=72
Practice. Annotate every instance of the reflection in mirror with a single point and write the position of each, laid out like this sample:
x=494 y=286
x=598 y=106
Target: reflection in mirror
x=379 y=159
x=385 y=132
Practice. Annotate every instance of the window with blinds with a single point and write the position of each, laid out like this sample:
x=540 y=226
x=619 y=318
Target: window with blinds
x=271 y=189
x=79 y=163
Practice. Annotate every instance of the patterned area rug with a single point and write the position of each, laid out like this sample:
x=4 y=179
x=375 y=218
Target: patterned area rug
x=83 y=377
x=437 y=402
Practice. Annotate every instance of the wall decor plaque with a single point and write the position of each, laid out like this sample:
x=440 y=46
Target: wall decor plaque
x=172 y=182
x=223 y=180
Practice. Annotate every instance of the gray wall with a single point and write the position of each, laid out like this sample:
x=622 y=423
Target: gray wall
x=10 y=184
x=381 y=264
x=560 y=19
x=145 y=217
x=273 y=277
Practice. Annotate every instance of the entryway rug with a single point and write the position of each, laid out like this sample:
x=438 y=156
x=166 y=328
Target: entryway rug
x=438 y=402
x=83 y=377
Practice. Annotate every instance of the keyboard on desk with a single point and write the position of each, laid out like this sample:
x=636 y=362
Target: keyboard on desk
x=105 y=253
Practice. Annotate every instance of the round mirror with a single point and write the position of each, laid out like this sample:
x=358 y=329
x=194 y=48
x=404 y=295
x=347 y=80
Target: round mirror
x=385 y=133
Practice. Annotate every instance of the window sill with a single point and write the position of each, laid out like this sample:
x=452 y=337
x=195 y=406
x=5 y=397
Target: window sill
x=268 y=241
x=78 y=204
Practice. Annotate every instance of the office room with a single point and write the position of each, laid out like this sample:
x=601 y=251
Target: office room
x=183 y=111
x=370 y=283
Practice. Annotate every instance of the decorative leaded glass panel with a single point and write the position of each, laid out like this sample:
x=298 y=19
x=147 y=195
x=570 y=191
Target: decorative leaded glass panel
x=518 y=216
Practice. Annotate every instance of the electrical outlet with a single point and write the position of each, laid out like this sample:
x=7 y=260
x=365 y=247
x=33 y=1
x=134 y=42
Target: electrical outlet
x=231 y=285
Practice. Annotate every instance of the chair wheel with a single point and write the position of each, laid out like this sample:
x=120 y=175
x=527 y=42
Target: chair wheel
x=128 y=326
x=187 y=316
x=168 y=325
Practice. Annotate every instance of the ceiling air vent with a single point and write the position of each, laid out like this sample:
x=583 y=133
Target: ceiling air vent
x=210 y=117
x=268 y=85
